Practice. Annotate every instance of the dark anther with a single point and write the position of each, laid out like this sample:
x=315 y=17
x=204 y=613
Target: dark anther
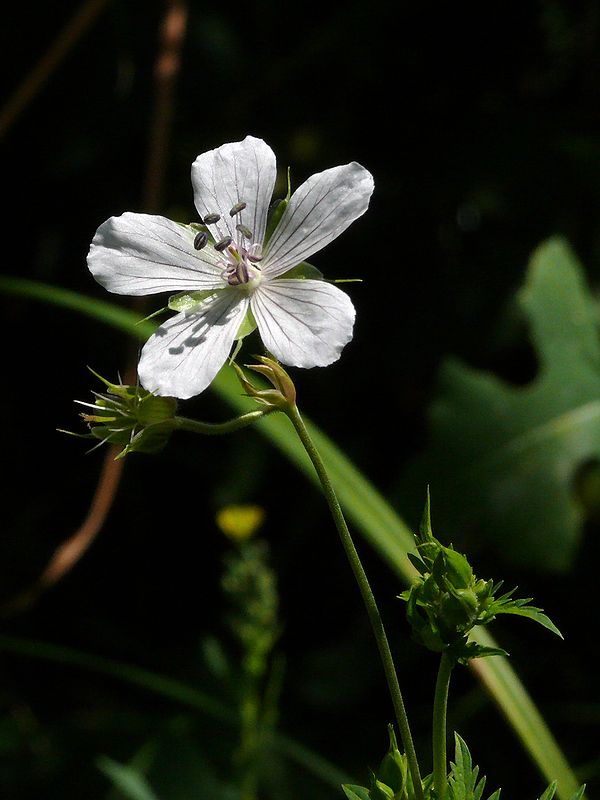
x=237 y=208
x=244 y=230
x=254 y=259
x=210 y=219
x=223 y=244
x=200 y=240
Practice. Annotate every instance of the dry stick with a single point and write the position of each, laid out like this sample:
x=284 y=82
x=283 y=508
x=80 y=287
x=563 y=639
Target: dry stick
x=172 y=34
x=56 y=53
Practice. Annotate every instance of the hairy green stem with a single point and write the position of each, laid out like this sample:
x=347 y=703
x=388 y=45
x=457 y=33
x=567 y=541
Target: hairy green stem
x=440 y=706
x=367 y=595
x=216 y=428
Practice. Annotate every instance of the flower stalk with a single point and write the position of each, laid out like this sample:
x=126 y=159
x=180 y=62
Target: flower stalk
x=367 y=594
x=218 y=428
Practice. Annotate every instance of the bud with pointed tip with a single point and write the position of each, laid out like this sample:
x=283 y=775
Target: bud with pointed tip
x=283 y=394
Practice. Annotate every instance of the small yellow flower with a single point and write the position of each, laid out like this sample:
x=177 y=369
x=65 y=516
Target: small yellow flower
x=240 y=522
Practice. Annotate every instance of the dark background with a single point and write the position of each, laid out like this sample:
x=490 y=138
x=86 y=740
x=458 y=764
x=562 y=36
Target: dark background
x=481 y=126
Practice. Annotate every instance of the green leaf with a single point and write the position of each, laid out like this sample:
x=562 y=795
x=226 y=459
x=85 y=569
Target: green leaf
x=503 y=458
x=127 y=779
x=367 y=509
x=550 y=792
x=464 y=782
x=355 y=792
x=579 y=793
x=536 y=614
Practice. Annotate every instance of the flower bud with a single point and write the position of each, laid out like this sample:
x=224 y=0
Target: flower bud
x=131 y=417
x=393 y=768
x=283 y=394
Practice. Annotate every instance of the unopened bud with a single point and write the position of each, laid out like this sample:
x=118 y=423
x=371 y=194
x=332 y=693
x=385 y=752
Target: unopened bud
x=130 y=417
x=283 y=393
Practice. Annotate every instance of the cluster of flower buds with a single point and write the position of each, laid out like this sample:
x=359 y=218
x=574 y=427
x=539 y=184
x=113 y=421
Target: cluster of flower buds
x=392 y=781
x=130 y=417
x=447 y=600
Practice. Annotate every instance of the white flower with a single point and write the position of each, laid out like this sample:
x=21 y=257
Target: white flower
x=302 y=322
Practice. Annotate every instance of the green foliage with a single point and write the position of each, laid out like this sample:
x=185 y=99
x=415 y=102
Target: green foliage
x=511 y=453
x=392 y=781
x=551 y=791
x=364 y=506
x=447 y=600
x=464 y=782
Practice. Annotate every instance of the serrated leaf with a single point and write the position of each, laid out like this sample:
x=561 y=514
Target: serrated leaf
x=464 y=782
x=355 y=792
x=531 y=612
x=503 y=458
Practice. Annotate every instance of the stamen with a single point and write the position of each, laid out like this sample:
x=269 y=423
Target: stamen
x=244 y=230
x=223 y=244
x=255 y=253
x=237 y=208
x=210 y=219
x=200 y=240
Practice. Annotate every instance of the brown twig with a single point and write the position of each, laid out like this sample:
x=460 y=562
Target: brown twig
x=25 y=92
x=172 y=34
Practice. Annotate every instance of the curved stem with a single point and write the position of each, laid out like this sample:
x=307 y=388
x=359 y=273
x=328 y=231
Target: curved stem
x=216 y=428
x=367 y=595
x=440 y=705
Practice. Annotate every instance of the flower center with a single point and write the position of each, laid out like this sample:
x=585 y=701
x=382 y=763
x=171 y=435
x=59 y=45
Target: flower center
x=239 y=253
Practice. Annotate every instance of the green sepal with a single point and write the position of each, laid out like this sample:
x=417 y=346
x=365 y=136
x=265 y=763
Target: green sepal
x=247 y=327
x=457 y=570
x=187 y=301
x=276 y=210
x=425 y=530
x=355 y=792
x=417 y=563
x=304 y=271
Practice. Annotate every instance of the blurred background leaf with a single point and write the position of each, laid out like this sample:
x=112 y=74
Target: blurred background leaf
x=504 y=459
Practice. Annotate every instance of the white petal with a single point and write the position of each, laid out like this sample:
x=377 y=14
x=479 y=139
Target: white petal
x=183 y=356
x=303 y=323
x=318 y=211
x=144 y=254
x=238 y=172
